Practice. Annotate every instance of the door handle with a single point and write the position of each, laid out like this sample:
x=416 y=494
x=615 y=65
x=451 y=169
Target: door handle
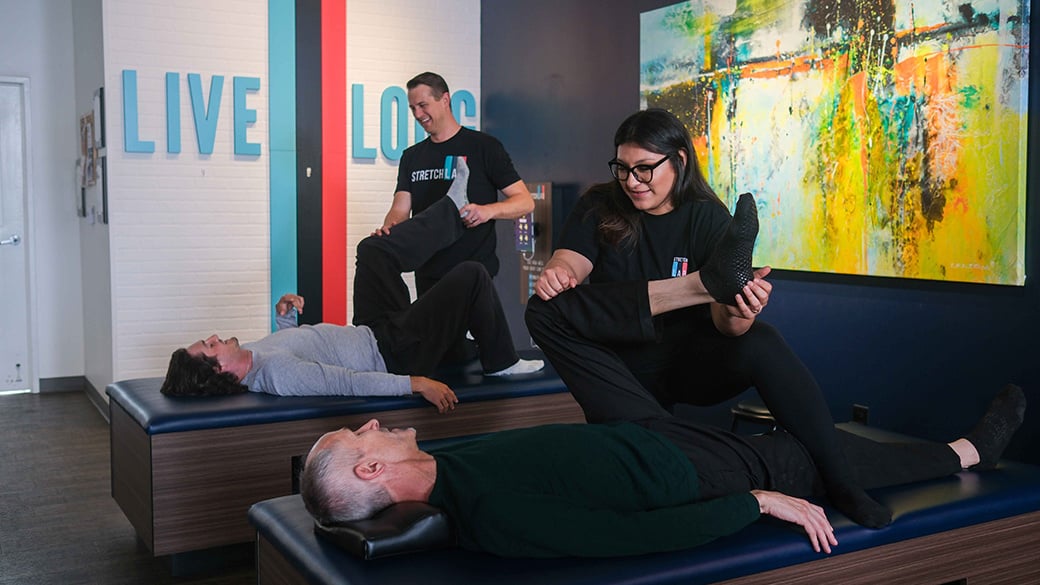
x=12 y=241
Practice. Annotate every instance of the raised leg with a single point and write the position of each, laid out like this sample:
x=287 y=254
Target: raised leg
x=729 y=267
x=379 y=288
x=763 y=359
x=575 y=330
x=465 y=299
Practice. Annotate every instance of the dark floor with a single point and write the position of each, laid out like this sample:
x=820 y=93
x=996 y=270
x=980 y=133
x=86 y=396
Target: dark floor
x=58 y=521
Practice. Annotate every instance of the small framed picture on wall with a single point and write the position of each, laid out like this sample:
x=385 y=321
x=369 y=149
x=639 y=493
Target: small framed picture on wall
x=88 y=151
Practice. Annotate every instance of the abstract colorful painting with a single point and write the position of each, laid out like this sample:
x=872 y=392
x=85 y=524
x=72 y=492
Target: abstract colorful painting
x=880 y=137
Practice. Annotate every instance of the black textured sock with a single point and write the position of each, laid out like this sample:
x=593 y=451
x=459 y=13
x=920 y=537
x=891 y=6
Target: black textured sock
x=858 y=506
x=993 y=432
x=729 y=267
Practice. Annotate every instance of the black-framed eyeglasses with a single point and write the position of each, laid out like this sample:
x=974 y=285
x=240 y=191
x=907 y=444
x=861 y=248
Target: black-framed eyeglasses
x=643 y=173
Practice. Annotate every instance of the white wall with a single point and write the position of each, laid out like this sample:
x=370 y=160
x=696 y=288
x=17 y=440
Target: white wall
x=188 y=231
x=388 y=43
x=93 y=232
x=36 y=42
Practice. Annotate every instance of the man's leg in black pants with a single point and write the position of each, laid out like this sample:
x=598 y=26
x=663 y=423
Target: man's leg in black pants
x=884 y=464
x=574 y=330
x=379 y=288
x=728 y=463
x=465 y=299
x=464 y=349
x=575 y=327
x=874 y=464
x=762 y=358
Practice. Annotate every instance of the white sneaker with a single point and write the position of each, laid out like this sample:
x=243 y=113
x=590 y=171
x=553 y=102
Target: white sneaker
x=520 y=367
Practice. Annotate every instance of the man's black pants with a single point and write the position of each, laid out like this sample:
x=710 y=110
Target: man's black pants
x=413 y=337
x=588 y=333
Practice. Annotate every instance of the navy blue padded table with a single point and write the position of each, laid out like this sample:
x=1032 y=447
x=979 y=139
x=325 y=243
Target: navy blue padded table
x=983 y=527
x=185 y=470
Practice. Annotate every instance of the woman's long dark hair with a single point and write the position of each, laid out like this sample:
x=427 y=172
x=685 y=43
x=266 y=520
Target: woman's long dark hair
x=659 y=131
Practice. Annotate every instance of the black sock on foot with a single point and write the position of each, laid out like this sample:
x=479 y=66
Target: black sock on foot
x=993 y=432
x=858 y=506
x=459 y=186
x=729 y=267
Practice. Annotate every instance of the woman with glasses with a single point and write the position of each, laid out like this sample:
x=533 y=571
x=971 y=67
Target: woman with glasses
x=668 y=315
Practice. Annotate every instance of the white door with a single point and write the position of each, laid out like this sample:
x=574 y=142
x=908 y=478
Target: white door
x=15 y=373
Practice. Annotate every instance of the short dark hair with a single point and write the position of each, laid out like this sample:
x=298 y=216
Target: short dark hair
x=189 y=375
x=333 y=494
x=435 y=82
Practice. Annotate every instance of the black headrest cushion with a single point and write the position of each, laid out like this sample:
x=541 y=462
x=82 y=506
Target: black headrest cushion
x=401 y=528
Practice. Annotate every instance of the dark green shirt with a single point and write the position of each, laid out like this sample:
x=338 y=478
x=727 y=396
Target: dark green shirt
x=579 y=490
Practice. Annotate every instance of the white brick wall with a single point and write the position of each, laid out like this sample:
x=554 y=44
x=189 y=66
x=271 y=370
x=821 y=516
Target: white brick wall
x=388 y=43
x=188 y=232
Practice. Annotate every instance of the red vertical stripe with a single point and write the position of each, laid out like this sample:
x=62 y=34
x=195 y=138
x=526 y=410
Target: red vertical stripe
x=334 y=160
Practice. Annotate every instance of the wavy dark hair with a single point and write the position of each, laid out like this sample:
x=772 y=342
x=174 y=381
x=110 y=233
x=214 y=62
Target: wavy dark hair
x=659 y=131
x=189 y=375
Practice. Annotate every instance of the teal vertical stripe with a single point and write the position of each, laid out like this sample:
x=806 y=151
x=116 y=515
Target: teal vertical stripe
x=281 y=31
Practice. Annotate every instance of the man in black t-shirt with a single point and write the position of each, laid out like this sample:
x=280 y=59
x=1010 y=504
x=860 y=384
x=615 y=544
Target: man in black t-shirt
x=428 y=168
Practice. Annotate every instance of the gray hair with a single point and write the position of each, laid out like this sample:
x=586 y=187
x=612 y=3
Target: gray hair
x=332 y=492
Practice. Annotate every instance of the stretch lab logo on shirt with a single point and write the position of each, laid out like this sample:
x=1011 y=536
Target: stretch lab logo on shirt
x=447 y=172
x=679 y=265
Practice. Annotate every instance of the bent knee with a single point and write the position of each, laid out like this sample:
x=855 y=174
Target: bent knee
x=536 y=309
x=369 y=246
x=761 y=337
x=469 y=274
x=764 y=330
x=472 y=269
x=538 y=315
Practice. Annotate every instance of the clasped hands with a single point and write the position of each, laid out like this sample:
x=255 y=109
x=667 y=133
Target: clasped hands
x=289 y=301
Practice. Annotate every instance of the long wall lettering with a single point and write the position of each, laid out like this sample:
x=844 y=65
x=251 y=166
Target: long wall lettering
x=205 y=112
x=394 y=118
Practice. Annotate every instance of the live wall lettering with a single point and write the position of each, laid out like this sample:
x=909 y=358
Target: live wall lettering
x=882 y=138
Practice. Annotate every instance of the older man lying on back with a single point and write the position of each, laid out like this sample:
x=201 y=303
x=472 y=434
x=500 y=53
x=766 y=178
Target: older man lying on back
x=619 y=489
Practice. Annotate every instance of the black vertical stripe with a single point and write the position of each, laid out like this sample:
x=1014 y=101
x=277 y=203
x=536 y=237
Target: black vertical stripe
x=308 y=149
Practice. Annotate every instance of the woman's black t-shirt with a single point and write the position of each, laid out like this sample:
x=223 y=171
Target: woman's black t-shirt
x=674 y=244
x=669 y=245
